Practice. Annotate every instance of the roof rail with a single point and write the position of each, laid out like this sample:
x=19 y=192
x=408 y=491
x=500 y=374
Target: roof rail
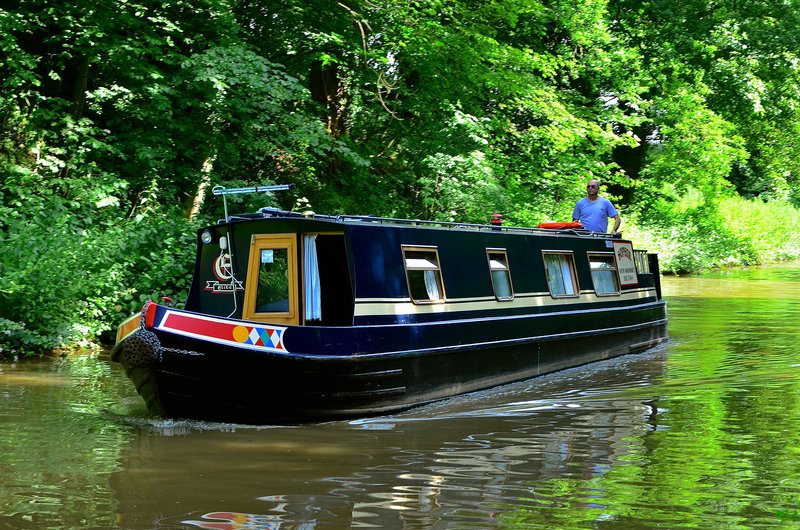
x=276 y=212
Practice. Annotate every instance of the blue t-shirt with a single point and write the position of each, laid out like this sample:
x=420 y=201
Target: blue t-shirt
x=594 y=215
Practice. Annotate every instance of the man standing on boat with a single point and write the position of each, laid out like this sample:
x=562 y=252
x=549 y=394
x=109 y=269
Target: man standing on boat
x=593 y=211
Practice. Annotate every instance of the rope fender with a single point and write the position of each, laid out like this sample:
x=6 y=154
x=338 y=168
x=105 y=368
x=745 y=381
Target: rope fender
x=142 y=348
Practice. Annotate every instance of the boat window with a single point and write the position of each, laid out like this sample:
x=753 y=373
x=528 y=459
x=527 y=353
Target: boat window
x=272 y=294
x=271 y=290
x=642 y=263
x=560 y=270
x=423 y=274
x=501 y=275
x=604 y=273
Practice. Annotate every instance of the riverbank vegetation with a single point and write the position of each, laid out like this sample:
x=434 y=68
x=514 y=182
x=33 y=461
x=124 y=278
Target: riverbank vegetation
x=117 y=118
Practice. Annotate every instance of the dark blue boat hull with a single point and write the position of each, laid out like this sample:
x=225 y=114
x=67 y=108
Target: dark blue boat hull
x=378 y=369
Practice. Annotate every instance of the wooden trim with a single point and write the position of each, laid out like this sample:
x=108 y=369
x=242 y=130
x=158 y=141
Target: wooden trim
x=271 y=241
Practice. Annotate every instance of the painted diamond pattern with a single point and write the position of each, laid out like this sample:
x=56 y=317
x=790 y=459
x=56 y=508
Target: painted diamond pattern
x=263 y=334
x=267 y=337
x=254 y=336
x=275 y=338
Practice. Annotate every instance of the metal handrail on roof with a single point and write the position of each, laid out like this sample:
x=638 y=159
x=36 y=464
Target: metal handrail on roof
x=275 y=212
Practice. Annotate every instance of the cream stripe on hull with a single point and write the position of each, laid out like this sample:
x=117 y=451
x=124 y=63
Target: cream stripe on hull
x=404 y=306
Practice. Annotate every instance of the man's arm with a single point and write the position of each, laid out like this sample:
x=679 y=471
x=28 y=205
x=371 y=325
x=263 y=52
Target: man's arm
x=576 y=213
x=617 y=222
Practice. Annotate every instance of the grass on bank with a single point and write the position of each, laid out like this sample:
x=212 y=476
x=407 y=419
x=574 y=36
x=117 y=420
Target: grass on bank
x=744 y=232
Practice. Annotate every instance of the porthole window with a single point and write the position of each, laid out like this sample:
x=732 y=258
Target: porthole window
x=423 y=275
x=604 y=274
x=560 y=271
x=501 y=274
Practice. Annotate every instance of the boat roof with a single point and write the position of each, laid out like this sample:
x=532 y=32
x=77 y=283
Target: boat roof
x=272 y=213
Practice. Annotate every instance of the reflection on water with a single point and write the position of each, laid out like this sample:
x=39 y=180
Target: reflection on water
x=56 y=448
x=457 y=460
x=702 y=431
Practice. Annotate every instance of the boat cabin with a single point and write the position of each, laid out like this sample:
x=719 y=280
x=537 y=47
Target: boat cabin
x=287 y=269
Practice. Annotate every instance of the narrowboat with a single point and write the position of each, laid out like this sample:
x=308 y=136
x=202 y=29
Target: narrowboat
x=295 y=318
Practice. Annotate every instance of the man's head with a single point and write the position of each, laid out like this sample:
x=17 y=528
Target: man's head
x=592 y=188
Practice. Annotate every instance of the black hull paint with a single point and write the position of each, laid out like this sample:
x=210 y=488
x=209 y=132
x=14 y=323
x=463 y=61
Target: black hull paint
x=199 y=380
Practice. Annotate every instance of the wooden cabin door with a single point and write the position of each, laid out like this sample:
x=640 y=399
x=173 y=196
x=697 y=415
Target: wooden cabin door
x=271 y=291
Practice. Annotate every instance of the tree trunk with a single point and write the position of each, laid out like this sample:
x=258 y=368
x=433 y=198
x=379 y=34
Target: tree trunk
x=81 y=84
x=328 y=90
x=199 y=197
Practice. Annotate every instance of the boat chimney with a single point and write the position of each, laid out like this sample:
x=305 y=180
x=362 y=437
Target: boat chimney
x=497 y=220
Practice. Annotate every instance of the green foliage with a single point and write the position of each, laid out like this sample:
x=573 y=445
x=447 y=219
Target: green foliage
x=74 y=280
x=461 y=186
x=43 y=282
x=116 y=119
x=739 y=62
x=770 y=231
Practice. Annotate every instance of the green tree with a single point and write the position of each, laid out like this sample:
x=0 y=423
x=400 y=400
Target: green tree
x=738 y=60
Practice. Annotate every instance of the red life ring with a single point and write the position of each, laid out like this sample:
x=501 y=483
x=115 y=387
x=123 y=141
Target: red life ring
x=555 y=226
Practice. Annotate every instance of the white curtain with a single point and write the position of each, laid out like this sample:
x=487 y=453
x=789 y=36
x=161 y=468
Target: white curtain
x=604 y=281
x=566 y=275
x=431 y=285
x=554 y=274
x=502 y=285
x=313 y=296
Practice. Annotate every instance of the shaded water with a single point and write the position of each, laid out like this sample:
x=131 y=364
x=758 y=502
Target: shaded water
x=701 y=432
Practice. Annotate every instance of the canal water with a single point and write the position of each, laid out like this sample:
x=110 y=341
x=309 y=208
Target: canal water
x=701 y=432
